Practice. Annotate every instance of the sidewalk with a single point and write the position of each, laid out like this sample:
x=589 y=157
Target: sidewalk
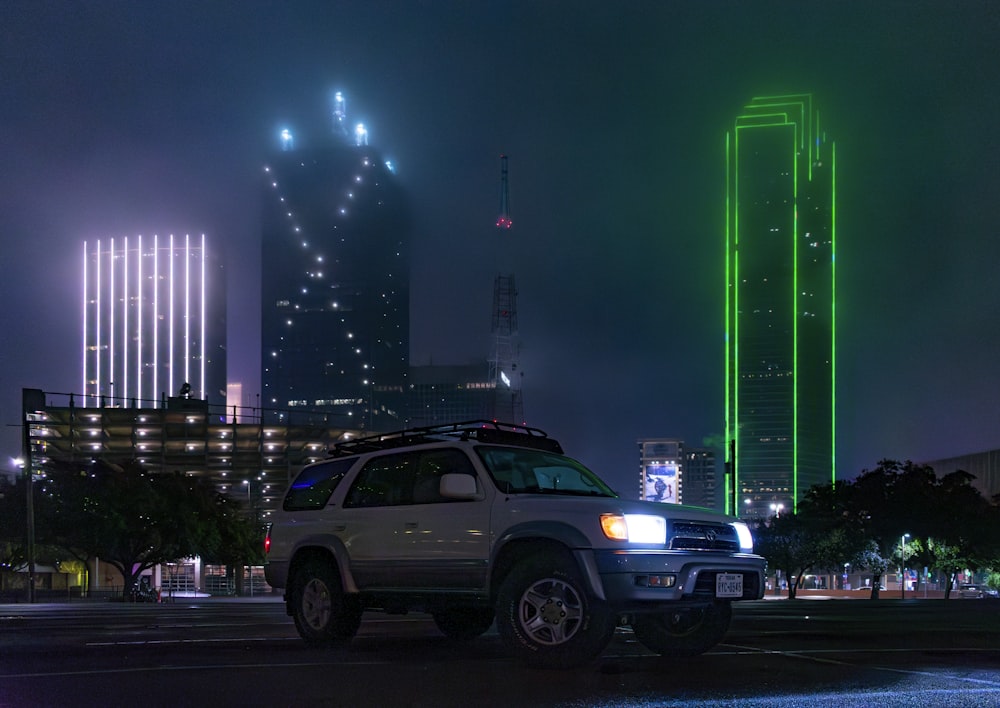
x=862 y=594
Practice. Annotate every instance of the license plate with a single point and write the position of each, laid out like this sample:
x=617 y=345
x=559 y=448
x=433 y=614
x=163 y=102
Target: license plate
x=729 y=585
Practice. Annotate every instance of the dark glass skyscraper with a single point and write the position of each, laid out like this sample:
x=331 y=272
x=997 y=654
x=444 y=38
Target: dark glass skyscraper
x=335 y=287
x=780 y=326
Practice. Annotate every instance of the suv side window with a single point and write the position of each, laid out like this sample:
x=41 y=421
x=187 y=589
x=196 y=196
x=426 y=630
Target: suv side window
x=406 y=478
x=433 y=464
x=314 y=485
x=383 y=481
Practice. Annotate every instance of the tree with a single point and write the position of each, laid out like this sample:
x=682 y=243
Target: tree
x=129 y=518
x=885 y=504
x=949 y=524
x=241 y=541
x=793 y=544
x=965 y=528
x=12 y=527
x=871 y=558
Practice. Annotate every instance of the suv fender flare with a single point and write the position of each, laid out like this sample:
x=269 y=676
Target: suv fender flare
x=566 y=535
x=335 y=547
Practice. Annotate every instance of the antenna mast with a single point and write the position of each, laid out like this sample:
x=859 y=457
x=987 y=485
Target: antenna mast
x=506 y=405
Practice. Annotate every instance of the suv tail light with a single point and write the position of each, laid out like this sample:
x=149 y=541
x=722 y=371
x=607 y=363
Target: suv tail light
x=267 y=539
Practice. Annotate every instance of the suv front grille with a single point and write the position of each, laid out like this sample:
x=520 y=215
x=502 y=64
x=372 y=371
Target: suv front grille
x=700 y=536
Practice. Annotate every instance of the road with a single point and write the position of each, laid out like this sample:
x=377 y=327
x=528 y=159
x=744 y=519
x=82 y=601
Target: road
x=217 y=652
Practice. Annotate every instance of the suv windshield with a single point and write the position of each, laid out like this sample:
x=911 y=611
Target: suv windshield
x=521 y=471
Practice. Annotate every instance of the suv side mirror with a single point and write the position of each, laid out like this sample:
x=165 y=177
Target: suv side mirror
x=458 y=486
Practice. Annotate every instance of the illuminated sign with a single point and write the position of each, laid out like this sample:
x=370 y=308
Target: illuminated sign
x=660 y=483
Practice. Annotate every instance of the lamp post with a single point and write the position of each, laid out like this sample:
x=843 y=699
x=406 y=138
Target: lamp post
x=902 y=565
x=25 y=465
x=777 y=509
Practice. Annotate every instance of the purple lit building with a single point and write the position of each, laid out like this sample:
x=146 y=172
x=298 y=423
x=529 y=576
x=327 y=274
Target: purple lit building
x=154 y=321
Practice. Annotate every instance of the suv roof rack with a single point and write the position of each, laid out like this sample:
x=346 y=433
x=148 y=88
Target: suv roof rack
x=480 y=430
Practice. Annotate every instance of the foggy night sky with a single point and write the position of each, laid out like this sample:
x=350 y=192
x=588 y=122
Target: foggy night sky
x=121 y=118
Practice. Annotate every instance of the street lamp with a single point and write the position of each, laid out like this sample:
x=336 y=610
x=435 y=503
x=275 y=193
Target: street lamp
x=777 y=508
x=24 y=463
x=902 y=565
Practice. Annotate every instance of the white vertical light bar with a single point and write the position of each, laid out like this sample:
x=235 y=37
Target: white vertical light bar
x=204 y=258
x=170 y=348
x=111 y=321
x=138 y=324
x=85 y=312
x=156 y=314
x=125 y=332
x=97 y=324
x=187 y=308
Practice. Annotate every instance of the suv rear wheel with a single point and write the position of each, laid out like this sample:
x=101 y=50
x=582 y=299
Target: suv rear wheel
x=546 y=616
x=686 y=631
x=322 y=612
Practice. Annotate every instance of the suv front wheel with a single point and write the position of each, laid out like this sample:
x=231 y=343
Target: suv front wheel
x=322 y=612
x=547 y=617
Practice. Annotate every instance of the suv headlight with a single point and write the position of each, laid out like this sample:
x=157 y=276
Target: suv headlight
x=635 y=528
x=744 y=535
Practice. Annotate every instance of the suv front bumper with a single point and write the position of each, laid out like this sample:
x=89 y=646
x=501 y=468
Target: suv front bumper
x=623 y=576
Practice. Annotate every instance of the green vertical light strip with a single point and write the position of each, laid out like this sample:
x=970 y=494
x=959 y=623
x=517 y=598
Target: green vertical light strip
x=729 y=294
x=735 y=255
x=833 y=312
x=815 y=137
x=795 y=328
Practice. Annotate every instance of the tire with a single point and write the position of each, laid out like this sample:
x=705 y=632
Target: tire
x=464 y=622
x=684 y=632
x=322 y=613
x=547 y=618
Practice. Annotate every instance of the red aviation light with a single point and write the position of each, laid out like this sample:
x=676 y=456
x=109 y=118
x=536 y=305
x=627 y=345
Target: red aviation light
x=504 y=222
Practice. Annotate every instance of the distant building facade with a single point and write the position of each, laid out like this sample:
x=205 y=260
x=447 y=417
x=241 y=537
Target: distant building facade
x=437 y=395
x=673 y=473
x=698 y=465
x=335 y=287
x=779 y=318
x=154 y=320
x=983 y=466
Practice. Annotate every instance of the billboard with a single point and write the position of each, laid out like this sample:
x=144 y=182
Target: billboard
x=661 y=483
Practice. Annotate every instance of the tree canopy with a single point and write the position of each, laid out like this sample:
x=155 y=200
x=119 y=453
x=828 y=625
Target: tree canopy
x=888 y=515
x=134 y=519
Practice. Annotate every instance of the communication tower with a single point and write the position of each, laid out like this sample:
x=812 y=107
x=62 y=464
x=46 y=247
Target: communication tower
x=507 y=404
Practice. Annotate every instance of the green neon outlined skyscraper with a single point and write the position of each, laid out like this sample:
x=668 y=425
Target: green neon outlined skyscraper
x=780 y=305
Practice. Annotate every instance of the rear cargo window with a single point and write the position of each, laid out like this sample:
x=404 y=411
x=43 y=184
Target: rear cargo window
x=314 y=485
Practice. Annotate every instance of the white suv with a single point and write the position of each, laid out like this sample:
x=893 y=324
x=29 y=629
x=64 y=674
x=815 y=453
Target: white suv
x=481 y=521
